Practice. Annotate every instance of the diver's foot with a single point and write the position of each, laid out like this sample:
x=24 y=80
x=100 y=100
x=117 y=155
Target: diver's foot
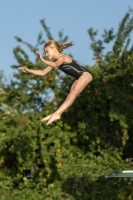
x=53 y=118
x=46 y=118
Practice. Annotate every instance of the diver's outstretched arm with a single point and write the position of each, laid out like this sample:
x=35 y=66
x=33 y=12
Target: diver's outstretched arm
x=36 y=72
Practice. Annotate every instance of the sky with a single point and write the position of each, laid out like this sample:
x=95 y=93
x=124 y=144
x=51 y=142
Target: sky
x=74 y=17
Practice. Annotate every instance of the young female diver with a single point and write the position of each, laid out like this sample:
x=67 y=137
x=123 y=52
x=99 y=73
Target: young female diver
x=53 y=50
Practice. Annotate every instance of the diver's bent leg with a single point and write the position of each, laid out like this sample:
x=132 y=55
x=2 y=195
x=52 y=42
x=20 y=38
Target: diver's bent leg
x=81 y=83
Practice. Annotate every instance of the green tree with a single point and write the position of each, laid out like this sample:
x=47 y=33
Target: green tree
x=104 y=113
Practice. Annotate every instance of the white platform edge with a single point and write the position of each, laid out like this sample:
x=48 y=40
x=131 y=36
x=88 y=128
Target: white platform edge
x=124 y=174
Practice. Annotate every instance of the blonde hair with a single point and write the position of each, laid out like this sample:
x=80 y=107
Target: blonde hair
x=59 y=46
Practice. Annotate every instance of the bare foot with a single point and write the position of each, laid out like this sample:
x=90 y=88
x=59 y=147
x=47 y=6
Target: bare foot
x=53 y=118
x=46 y=118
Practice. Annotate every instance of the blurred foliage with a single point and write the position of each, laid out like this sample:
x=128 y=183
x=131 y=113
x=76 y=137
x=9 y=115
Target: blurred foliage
x=69 y=159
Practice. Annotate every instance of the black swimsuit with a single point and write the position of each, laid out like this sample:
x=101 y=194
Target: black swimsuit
x=73 y=69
